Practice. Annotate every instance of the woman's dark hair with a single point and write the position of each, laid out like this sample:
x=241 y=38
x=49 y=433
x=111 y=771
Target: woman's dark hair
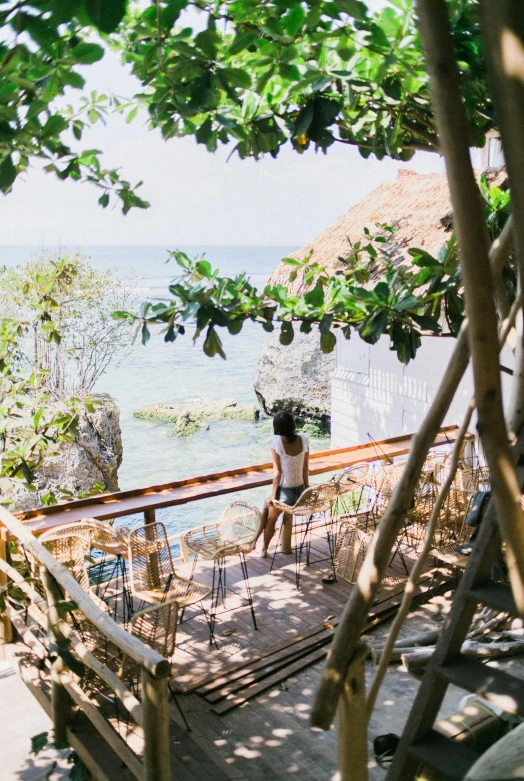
x=284 y=425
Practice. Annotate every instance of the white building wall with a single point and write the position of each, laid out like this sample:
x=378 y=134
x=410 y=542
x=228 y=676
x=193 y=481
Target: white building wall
x=374 y=395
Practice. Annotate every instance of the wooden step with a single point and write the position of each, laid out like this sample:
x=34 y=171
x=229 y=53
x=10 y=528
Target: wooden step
x=451 y=758
x=496 y=595
x=500 y=688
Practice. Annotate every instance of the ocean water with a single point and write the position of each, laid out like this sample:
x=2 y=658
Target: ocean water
x=180 y=372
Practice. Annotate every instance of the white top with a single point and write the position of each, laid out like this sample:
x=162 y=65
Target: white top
x=292 y=466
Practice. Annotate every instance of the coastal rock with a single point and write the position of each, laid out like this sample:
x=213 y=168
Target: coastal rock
x=195 y=415
x=296 y=377
x=92 y=459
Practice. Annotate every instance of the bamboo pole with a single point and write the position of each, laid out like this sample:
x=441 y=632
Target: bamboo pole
x=407 y=598
x=61 y=706
x=6 y=631
x=352 y=740
x=471 y=236
x=362 y=596
x=156 y=728
x=503 y=32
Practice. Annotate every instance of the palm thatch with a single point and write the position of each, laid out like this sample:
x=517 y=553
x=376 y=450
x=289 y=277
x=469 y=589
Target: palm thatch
x=417 y=206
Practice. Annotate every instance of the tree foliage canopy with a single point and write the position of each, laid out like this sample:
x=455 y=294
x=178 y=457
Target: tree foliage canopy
x=371 y=293
x=44 y=44
x=263 y=74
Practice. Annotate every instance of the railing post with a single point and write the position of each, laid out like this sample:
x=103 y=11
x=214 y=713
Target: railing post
x=287 y=531
x=61 y=703
x=156 y=728
x=149 y=516
x=352 y=738
x=6 y=630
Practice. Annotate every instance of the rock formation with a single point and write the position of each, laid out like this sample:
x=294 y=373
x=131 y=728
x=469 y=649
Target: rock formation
x=93 y=458
x=296 y=378
x=196 y=415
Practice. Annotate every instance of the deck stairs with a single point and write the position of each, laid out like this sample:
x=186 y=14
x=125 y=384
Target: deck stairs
x=420 y=743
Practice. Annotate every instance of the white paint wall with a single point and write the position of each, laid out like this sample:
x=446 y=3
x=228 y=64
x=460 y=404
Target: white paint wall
x=373 y=393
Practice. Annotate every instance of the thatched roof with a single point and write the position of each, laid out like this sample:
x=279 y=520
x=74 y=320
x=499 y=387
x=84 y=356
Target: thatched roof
x=417 y=206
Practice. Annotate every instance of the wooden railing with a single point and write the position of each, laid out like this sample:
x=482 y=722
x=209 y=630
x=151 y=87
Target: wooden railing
x=151 y=717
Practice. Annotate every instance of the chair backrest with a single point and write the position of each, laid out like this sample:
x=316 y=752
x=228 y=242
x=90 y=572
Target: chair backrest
x=70 y=550
x=155 y=626
x=239 y=521
x=352 y=477
x=150 y=562
x=106 y=538
x=316 y=499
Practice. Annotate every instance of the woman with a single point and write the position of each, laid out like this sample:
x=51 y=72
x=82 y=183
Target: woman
x=290 y=452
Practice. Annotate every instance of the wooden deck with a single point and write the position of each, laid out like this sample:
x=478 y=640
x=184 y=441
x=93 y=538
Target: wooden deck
x=282 y=612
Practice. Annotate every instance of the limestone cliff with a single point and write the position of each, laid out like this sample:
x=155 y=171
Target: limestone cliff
x=94 y=457
x=296 y=378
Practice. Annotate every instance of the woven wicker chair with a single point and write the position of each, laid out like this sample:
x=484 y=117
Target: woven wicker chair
x=232 y=535
x=353 y=491
x=352 y=546
x=156 y=626
x=315 y=502
x=105 y=538
x=152 y=574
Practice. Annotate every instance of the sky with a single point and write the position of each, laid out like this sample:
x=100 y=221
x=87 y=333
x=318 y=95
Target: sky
x=196 y=197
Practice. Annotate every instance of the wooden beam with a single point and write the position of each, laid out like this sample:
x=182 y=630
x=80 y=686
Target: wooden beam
x=207 y=486
x=156 y=728
x=473 y=242
x=352 y=741
x=6 y=632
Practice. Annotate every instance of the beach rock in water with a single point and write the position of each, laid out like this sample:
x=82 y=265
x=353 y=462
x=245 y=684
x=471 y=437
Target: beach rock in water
x=93 y=458
x=196 y=415
x=297 y=378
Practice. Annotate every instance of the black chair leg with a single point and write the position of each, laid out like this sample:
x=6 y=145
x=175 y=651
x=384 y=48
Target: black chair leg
x=245 y=573
x=173 y=697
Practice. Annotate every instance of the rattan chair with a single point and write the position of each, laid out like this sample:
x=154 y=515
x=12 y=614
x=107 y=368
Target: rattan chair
x=100 y=536
x=156 y=626
x=232 y=535
x=311 y=514
x=152 y=574
x=352 y=546
x=353 y=497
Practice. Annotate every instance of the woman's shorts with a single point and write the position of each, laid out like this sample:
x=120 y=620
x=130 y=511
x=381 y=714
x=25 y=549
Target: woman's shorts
x=289 y=495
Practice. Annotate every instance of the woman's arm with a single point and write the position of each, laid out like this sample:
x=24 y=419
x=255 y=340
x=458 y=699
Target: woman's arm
x=305 y=470
x=277 y=473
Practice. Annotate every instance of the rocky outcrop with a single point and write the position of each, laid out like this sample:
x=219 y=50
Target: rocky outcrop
x=196 y=415
x=296 y=378
x=91 y=460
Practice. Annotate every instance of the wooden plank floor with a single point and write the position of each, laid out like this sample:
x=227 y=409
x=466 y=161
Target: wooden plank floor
x=282 y=612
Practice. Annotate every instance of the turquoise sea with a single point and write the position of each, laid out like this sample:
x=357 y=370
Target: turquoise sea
x=179 y=372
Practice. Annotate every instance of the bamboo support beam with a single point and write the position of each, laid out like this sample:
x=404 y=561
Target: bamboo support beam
x=471 y=236
x=377 y=558
x=156 y=728
x=61 y=705
x=6 y=632
x=418 y=567
x=352 y=740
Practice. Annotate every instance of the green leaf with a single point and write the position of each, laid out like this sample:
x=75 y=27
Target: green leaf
x=294 y=20
x=106 y=15
x=7 y=173
x=74 y=664
x=87 y=53
x=328 y=342
x=373 y=327
x=213 y=344
x=104 y=200
x=286 y=333
x=315 y=297
x=242 y=40
x=55 y=125
x=303 y=120
x=237 y=77
x=146 y=336
x=354 y=8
